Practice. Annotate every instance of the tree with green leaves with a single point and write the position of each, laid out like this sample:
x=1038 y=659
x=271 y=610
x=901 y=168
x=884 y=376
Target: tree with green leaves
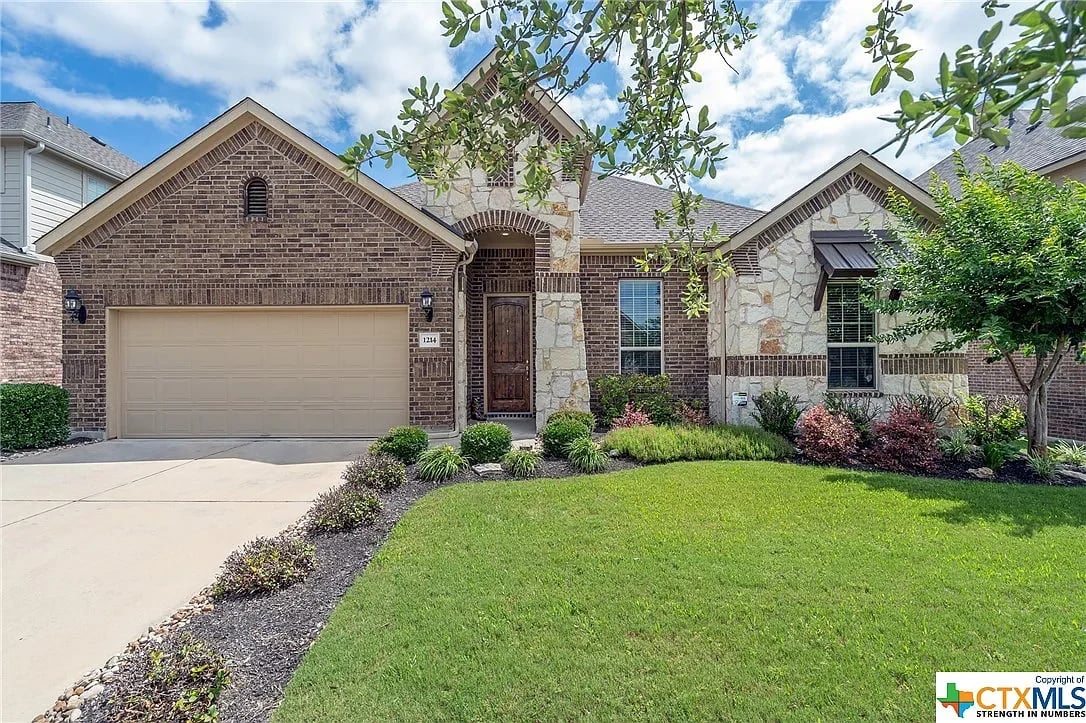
x=981 y=86
x=1006 y=267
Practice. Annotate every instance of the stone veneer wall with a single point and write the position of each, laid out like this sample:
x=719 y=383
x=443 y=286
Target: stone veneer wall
x=773 y=335
x=474 y=204
x=30 y=299
x=686 y=359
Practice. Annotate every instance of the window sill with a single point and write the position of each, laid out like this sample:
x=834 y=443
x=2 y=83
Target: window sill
x=256 y=219
x=874 y=393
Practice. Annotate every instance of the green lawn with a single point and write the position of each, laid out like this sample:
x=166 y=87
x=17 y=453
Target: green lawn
x=695 y=591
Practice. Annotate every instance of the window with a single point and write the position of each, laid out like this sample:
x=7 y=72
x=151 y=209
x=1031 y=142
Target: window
x=95 y=188
x=256 y=198
x=639 y=327
x=849 y=328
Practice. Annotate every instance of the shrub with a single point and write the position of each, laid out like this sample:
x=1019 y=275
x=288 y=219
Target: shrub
x=958 y=446
x=861 y=411
x=557 y=436
x=1043 y=467
x=670 y=444
x=440 y=463
x=263 y=565
x=826 y=437
x=403 y=443
x=931 y=407
x=648 y=393
x=586 y=456
x=586 y=418
x=343 y=508
x=522 y=463
x=376 y=471
x=777 y=412
x=179 y=680
x=33 y=416
x=905 y=442
x=1069 y=453
x=485 y=442
x=631 y=417
x=996 y=454
x=692 y=414
x=990 y=419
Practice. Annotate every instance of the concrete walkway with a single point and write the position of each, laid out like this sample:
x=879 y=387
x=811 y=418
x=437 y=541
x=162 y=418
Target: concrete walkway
x=102 y=541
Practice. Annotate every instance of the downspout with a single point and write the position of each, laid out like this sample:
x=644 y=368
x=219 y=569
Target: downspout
x=28 y=245
x=459 y=355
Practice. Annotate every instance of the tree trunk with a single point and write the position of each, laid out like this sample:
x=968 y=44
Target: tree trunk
x=1037 y=420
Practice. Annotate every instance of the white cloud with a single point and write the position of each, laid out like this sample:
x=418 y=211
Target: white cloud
x=333 y=68
x=764 y=168
x=32 y=75
x=594 y=104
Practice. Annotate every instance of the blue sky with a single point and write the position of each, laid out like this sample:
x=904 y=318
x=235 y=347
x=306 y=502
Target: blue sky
x=143 y=76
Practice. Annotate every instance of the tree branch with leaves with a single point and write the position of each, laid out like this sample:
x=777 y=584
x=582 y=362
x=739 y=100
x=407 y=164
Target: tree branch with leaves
x=1005 y=267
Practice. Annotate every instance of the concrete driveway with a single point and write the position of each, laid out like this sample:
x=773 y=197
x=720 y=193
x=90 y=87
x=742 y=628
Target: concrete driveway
x=100 y=542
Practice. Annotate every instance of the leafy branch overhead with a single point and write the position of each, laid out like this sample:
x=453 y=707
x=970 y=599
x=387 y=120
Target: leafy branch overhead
x=980 y=86
x=556 y=47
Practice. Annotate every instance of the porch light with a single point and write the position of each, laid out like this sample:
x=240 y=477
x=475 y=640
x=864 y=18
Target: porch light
x=73 y=305
x=426 y=302
x=895 y=294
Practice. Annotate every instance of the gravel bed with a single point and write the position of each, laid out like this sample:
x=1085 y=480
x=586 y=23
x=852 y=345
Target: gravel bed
x=263 y=638
x=6 y=455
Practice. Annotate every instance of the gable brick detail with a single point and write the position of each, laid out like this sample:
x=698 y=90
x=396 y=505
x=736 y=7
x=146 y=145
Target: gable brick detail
x=326 y=242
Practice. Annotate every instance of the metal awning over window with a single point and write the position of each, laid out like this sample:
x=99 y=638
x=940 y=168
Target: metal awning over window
x=843 y=255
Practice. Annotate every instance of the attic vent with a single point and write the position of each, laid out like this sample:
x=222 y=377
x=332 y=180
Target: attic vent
x=256 y=198
x=99 y=141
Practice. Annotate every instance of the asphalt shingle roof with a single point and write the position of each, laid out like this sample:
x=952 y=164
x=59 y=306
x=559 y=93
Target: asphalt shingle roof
x=620 y=210
x=1032 y=146
x=29 y=117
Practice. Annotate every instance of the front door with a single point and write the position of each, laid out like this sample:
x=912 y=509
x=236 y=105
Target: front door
x=508 y=354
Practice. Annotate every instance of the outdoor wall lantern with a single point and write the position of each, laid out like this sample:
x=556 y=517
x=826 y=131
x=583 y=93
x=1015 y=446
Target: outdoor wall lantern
x=73 y=304
x=895 y=294
x=426 y=301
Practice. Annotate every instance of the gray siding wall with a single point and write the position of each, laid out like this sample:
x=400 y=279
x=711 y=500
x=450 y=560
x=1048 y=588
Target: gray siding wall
x=57 y=192
x=11 y=200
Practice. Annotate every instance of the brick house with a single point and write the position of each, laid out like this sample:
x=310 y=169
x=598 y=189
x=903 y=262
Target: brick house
x=49 y=169
x=242 y=285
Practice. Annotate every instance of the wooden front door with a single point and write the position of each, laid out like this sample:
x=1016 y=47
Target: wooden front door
x=508 y=354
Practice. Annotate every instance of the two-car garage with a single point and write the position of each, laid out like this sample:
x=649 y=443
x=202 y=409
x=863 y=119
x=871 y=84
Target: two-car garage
x=243 y=372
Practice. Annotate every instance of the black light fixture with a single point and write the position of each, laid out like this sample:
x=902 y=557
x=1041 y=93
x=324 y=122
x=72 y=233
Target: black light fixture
x=426 y=301
x=895 y=294
x=73 y=304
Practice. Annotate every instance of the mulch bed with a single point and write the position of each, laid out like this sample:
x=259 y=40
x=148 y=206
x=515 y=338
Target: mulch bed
x=1015 y=471
x=263 y=638
x=8 y=454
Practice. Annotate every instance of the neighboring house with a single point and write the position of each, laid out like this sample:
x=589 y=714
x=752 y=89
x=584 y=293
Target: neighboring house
x=50 y=169
x=1044 y=150
x=241 y=284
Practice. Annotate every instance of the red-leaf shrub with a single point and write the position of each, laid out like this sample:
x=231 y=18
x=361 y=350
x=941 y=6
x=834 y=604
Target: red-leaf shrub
x=826 y=437
x=631 y=417
x=692 y=414
x=904 y=442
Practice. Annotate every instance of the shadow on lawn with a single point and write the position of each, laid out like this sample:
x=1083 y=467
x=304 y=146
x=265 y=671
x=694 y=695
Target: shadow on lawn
x=1029 y=508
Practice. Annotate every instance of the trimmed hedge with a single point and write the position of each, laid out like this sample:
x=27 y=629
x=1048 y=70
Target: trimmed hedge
x=403 y=443
x=558 y=434
x=33 y=416
x=485 y=442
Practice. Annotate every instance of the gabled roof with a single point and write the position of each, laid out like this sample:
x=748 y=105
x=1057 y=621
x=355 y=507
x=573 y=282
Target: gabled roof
x=619 y=211
x=180 y=156
x=1034 y=146
x=29 y=120
x=540 y=99
x=861 y=163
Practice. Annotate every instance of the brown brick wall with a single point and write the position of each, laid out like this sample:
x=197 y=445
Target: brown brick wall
x=493 y=271
x=1066 y=392
x=324 y=242
x=686 y=350
x=31 y=299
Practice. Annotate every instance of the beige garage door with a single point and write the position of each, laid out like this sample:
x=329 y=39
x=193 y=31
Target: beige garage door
x=276 y=372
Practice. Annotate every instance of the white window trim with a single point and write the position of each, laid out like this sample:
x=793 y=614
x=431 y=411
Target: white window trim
x=3 y=169
x=877 y=381
x=621 y=348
